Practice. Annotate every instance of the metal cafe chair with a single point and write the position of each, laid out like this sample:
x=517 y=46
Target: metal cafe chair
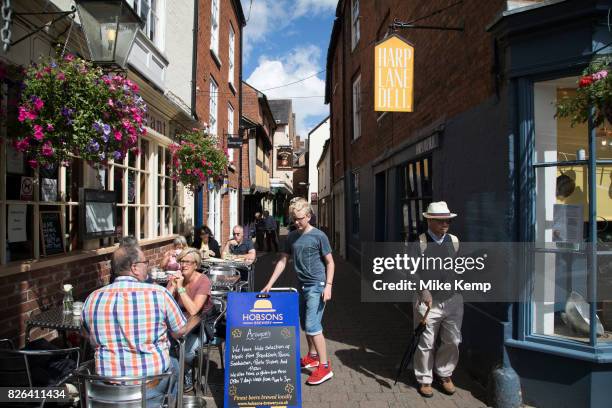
x=216 y=341
x=18 y=368
x=98 y=391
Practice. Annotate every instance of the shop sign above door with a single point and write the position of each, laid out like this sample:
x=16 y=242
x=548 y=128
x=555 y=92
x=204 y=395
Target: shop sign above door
x=394 y=75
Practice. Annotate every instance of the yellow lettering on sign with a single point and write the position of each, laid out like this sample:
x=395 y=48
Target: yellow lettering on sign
x=393 y=75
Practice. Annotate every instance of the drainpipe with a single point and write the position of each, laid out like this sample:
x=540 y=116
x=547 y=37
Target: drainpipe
x=240 y=197
x=198 y=201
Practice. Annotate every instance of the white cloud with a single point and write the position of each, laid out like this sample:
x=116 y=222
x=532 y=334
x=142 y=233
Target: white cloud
x=268 y=16
x=299 y=63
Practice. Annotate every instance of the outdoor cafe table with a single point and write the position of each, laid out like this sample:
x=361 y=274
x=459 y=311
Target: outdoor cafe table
x=237 y=264
x=53 y=319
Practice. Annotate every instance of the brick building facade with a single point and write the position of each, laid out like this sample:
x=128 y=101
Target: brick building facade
x=219 y=105
x=485 y=138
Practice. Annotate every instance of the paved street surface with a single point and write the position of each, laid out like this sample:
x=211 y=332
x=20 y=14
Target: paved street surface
x=365 y=344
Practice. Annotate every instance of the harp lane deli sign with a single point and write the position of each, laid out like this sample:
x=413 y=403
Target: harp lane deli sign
x=394 y=75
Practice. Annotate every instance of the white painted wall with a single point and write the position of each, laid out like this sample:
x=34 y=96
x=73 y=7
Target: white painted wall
x=179 y=48
x=316 y=140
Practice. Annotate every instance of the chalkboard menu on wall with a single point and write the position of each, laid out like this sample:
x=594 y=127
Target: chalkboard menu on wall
x=51 y=232
x=262 y=354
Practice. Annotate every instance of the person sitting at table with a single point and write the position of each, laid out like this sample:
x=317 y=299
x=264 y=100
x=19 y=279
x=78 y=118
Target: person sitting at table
x=192 y=290
x=169 y=262
x=240 y=247
x=131 y=340
x=206 y=243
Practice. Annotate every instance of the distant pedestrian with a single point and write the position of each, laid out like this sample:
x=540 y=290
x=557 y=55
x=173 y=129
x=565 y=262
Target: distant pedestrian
x=446 y=313
x=270 y=230
x=260 y=231
x=314 y=265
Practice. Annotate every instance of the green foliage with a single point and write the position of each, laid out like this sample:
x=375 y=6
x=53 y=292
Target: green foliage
x=69 y=107
x=594 y=90
x=196 y=159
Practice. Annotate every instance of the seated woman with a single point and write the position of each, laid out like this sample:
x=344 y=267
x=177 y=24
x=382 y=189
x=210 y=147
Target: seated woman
x=192 y=291
x=169 y=262
x=206 y=243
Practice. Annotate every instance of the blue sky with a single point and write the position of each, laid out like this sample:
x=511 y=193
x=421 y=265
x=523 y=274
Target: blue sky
x=285 y=41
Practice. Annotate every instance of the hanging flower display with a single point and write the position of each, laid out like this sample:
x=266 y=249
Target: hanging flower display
x=68 y=106
x=594 y=90
x=195 y=159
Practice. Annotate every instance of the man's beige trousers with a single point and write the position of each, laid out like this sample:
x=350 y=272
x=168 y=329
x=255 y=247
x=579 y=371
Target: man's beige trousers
x=444 y=320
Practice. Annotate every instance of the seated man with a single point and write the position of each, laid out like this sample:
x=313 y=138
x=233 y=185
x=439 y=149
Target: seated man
x=128 y=322
x=240 y=247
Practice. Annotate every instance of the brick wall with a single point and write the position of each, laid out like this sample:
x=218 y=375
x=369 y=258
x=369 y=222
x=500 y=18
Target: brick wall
x=452 y=72
x=27 y=293
x=207 y=66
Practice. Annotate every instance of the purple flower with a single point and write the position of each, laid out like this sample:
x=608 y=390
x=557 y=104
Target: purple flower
x=105 y=138
x=117 y=155
x=67 y=112
x=94 y=146
x=107 y=129
x=96 y=126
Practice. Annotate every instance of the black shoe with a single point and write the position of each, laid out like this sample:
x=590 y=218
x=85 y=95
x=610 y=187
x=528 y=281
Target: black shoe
x=188 y=380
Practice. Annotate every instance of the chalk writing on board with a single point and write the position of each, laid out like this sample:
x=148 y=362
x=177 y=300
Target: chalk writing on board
x=262 y=366
x=51 y=229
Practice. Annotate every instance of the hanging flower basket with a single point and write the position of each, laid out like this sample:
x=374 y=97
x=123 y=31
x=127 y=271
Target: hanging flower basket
x=196 y=159
x=594 y=90
x=68 y=106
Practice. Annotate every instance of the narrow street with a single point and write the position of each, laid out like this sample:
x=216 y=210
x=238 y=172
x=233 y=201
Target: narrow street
x=365 y=344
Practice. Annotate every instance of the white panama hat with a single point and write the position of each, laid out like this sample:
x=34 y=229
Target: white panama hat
x=438 y=210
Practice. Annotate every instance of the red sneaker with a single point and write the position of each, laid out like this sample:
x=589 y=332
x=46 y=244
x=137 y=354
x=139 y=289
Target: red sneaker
x=309 y=361
x=320 y=375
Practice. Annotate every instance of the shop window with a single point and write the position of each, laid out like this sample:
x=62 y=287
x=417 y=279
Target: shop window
x=169 y=204
x=415 y=195
x=562 y=223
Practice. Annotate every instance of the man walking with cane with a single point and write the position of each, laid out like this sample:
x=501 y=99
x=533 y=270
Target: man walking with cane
x=446 y=307
x=314 y=266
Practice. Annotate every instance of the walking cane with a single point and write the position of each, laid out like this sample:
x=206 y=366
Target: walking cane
x=409 y=353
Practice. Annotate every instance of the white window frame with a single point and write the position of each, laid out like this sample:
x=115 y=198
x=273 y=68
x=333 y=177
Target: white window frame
x=233 y=207
x=355 y=29
x=152 y=17
x=168 y=214
x=214 y=105
x=357 y=107
x=214 y=27
x=214 y=213
x=230 y=129
x=232 y=44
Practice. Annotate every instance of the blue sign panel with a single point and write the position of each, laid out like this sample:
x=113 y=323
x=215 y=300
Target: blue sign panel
x=262 y=356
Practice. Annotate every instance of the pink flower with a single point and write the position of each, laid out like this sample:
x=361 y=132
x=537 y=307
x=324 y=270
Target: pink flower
x=22 y=145
x=118 y=135
x=111 y=102
x=47 y=149
x=188 y=171
x=69 y=57
x=22 y=114
x=39 y=75
x=38 y=104
x=38 y=132
x=126 y=124
x=60 y=76
x=50 y=127
x=209 y=172
x=600 y=75
x=33 y=163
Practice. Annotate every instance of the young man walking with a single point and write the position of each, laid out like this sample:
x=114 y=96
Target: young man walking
x=314 y=266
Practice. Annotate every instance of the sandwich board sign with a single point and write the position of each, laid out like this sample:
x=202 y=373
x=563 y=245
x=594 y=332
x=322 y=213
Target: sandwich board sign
x=393 y=75
x=262 y=355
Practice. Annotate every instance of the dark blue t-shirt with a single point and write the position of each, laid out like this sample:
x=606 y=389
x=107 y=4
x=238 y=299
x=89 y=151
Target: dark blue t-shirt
x=309 y=251
x=243 y=248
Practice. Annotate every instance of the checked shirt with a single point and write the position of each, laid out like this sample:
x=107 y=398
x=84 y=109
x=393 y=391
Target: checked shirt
x=128 y=323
